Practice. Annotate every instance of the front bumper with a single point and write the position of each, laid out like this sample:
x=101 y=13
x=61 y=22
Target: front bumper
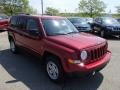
x=72 y=68
x=112 y=32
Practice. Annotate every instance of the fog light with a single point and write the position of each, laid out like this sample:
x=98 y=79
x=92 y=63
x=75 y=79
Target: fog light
x=77 y=61
x=82 y=64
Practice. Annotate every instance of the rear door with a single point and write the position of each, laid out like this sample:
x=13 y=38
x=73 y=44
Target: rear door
x=18 y=27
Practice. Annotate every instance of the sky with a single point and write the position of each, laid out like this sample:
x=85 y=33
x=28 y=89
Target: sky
x=70 y=5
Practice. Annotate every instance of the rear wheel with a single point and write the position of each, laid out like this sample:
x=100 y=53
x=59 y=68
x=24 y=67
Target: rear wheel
x=13 y=47
x=54 y=69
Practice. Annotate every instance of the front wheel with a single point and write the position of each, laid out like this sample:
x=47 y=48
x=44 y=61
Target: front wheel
x=102 y=34
x=54 y=69
x=92 y=74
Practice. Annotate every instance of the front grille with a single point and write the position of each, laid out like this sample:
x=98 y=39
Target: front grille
x=82 y=28
x=96 y=54
x=116 y=29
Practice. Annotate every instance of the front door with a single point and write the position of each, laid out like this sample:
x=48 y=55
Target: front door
x=31 y=39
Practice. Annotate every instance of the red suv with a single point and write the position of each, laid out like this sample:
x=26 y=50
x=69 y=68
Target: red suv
x=62 y=48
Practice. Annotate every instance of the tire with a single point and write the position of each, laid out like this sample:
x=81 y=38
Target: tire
x=102 y=33
x=92 y=74
x=13 y=47
x=54 y=69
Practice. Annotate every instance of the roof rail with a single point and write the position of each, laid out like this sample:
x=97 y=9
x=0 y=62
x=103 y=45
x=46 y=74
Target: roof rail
x=22 y=13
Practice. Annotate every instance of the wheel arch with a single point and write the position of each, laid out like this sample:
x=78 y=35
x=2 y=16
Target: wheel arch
x=10 y=38
x=47 y=53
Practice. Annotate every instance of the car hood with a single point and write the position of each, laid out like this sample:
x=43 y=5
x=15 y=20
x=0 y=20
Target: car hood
x=113 y=25
x=77 y=41
x=81 y=25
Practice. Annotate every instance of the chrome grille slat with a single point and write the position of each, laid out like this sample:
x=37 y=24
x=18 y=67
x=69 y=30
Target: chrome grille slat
x=116 y=29
x=97 y=53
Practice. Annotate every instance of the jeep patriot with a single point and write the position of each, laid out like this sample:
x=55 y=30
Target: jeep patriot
x=62 y=47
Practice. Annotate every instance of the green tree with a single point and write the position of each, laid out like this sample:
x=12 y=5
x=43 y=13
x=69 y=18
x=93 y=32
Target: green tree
x=51 y=11
x=92 y=7
x=118 y=9
x=11 y=7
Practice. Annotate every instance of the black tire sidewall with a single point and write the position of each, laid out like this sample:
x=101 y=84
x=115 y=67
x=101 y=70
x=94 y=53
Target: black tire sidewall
x=59 y=66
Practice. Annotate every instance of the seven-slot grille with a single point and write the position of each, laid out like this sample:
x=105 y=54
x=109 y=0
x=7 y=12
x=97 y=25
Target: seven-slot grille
x=96 y=54
x=116 y=28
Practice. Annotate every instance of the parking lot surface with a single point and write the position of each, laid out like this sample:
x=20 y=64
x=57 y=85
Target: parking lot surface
x=23 y=72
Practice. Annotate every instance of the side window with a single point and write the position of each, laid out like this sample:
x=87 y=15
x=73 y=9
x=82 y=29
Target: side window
x=95 y=20
x=99 y=21
x=13 y=22
x=22 y=22
x=33 y=27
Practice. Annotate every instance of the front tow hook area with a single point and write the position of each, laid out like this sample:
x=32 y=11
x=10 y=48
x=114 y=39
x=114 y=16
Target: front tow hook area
x=93 y=73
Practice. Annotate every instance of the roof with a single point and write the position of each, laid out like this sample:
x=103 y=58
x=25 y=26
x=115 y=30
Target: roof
x=74 y=17
x=104 y=17
x=42 y=16
x=51 y=17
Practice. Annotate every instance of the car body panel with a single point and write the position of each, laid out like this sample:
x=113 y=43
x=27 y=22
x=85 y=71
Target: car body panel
x=82 y=26
x=4 y=21
x=3 y=24
x=90 y=67
x=109 y=29
x=77 y=41
x=64 y=46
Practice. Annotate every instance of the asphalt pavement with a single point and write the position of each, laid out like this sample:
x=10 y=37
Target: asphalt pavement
x=24 y=72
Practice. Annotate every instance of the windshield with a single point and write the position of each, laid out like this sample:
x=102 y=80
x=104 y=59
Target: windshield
x=58 y=27
x=110 y=21
x=78 y=20
x=90 y=20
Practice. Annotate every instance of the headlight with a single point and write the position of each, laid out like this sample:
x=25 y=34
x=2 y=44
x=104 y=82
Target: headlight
x=88 y=28
x=84 y=55
x=111 y=28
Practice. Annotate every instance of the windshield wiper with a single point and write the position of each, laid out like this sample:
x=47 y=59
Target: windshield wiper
x=72 y=32
x=55 y=34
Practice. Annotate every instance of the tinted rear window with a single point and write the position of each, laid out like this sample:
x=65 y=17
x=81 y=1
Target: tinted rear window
x=22 y=22
x=18 y=22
